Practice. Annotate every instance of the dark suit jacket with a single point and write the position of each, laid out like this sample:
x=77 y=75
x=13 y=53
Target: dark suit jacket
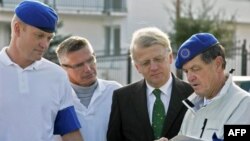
x=129 y=119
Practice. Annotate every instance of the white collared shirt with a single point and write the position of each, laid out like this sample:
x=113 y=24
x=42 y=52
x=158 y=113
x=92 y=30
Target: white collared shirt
x=166 y=90
x=31 y=98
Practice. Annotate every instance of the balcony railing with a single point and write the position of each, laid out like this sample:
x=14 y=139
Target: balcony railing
x=78 y=6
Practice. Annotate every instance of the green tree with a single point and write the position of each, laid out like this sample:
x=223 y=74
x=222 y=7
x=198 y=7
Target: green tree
x=187 y=22
x=51 y=54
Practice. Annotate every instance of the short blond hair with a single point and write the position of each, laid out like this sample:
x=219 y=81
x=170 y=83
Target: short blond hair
x=148 y=36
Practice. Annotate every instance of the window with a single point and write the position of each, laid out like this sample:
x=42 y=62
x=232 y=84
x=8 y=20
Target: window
x=112 y=40
x=113 y=5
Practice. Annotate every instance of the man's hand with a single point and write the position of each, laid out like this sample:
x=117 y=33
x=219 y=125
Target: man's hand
x=73 y=136
x=162 y=139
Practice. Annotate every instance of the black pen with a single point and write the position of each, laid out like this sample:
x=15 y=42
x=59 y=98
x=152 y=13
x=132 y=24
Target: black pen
x=203 y=128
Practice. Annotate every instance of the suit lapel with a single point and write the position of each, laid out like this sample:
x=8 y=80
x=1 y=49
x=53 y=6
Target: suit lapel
x=140 y=104
x=174 y=105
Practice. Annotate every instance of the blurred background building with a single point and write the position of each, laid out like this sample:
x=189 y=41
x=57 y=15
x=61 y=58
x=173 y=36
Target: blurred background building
x=109 y=24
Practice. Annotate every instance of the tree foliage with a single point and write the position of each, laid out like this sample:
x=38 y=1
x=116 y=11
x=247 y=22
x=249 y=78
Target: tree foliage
x=51 y=54
x=190 y=22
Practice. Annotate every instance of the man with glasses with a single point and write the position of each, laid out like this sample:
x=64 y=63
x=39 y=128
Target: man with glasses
x=151 y=108
x=77 y=57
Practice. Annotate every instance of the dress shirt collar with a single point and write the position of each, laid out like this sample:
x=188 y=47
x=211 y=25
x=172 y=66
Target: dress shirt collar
x=164 y=88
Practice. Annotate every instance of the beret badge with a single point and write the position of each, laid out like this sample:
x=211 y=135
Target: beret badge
x=185 y=53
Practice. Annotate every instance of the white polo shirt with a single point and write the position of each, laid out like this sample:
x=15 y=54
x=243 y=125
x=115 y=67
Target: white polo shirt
x=35 y=101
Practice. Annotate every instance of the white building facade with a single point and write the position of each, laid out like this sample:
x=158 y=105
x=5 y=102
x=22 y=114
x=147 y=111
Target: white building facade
x=109 y=24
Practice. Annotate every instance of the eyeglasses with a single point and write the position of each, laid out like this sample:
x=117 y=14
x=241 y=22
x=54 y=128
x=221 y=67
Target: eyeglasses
x=90 y=62
x=156 y=60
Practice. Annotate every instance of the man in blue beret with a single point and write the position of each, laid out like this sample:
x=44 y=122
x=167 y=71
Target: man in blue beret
x=217 y=101
x=36 y=98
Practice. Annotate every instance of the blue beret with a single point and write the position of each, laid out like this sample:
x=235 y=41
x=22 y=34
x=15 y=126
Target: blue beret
x=193 y=46
x=37 y=14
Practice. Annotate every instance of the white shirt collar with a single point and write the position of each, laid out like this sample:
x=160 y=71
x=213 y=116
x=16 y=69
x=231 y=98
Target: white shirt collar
x=164 y=88
x=5 y=59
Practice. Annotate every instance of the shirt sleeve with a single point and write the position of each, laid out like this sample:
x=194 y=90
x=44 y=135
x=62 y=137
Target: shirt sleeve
x=66 y=119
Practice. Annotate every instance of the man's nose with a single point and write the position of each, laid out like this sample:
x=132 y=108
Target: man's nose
x=153 y=64
x=44 y=43
x=86 y=67
x=190 y=76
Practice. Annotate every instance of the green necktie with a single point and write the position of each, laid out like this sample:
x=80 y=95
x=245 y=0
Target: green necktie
x=158 y=114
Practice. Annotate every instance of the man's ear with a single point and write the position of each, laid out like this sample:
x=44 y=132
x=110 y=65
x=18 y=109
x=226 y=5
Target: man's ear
x=17 y=28
x=170 y=58
x=137 y=67
x=219 y=63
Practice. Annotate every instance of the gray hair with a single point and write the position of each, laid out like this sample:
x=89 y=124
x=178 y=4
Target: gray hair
x=71 y=44
x=146 y=37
